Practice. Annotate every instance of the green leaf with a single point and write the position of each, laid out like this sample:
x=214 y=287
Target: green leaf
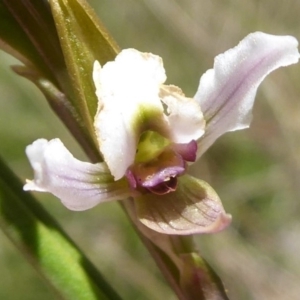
x=83 y=40
x=28 y=32
x=46 y=246
x=24 y=26
x=13 y=39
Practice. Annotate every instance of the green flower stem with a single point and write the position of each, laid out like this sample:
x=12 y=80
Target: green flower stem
x=40 y=239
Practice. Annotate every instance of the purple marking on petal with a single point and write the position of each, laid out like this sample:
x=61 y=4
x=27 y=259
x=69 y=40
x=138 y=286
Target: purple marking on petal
x=187 y=151
x=131 y=179
x=159 y=174
x=162 y=176
x=164 y=187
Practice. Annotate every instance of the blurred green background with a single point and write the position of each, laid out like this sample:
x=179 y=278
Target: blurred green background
x=255 y=171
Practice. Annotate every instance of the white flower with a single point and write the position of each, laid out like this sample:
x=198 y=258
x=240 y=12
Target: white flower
x=148 y=131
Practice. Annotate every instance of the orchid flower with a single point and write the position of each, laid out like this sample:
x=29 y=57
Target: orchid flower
x=150 y=133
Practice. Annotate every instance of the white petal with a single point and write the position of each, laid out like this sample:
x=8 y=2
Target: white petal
x=79 y=185
x=127 y=90
x=226 y=93
x=184 y=115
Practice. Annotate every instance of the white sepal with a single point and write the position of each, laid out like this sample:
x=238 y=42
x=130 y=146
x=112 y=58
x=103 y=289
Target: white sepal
x=79 y=185
x=226 y=92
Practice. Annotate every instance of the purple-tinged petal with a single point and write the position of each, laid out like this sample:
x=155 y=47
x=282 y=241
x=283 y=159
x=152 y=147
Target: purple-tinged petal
x=79 y=185
x=187 y=151
x=226 y=93
x=193 y=208
x=163 y=175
